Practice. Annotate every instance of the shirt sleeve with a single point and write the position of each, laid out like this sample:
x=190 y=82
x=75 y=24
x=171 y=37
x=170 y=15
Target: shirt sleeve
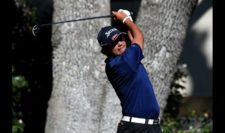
x=133 y=56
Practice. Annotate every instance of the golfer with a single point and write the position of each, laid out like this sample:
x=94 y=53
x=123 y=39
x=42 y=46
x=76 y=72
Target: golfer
x=128 y=76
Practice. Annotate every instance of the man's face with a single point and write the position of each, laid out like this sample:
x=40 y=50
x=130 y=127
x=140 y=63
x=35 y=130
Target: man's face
x=120 y=47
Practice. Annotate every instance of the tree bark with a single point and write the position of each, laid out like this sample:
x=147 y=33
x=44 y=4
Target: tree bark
x=164 y=24
x=79 y=81
x=82 y=100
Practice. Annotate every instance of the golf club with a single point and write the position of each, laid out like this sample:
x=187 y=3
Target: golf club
x=36 y=28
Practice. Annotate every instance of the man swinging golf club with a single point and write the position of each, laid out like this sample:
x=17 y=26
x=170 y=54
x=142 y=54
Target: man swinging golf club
x=128 y=76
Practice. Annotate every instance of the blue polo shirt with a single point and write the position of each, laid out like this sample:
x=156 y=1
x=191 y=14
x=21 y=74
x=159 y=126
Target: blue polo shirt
x=130 y=80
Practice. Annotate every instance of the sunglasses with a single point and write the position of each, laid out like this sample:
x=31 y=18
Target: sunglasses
x=119 y=38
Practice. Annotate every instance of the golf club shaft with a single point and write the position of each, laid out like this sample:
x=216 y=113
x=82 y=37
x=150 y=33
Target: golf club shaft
x=36 y=27
x=81 y=19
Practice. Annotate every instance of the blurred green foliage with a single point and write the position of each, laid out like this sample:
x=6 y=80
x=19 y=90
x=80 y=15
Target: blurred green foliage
x=19 y=84
x=186 y=124
x=192 y=123
x=24 y=19
x=27 y=17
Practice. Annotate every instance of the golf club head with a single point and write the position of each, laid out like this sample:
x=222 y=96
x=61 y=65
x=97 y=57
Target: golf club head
x=35 y=30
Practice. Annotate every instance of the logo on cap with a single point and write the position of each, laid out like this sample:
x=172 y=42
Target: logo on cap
x=109 y=32
x=114 y=37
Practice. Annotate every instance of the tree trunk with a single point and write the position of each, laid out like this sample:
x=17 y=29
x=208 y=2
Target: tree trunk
x=82 y=100
x=164 y=24
x=79 y=81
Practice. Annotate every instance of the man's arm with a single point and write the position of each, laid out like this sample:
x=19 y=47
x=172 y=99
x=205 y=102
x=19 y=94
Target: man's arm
x=130 y=35
x=136 y=33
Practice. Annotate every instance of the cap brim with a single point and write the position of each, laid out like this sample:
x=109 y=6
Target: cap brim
x=113 y=43
x=120 y=34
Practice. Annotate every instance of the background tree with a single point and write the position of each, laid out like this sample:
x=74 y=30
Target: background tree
x=164 y=24
x=82 y=99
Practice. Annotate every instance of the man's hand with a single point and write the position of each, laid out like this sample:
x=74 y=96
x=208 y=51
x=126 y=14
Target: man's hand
x=122 y=15
x=127 y=13
x=135 y=34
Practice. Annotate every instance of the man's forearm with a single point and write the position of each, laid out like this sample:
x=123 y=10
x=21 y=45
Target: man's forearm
x=130 y=35
x=136 y=33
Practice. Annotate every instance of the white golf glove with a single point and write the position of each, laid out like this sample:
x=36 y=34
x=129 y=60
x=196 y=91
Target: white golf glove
x=127 y=13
